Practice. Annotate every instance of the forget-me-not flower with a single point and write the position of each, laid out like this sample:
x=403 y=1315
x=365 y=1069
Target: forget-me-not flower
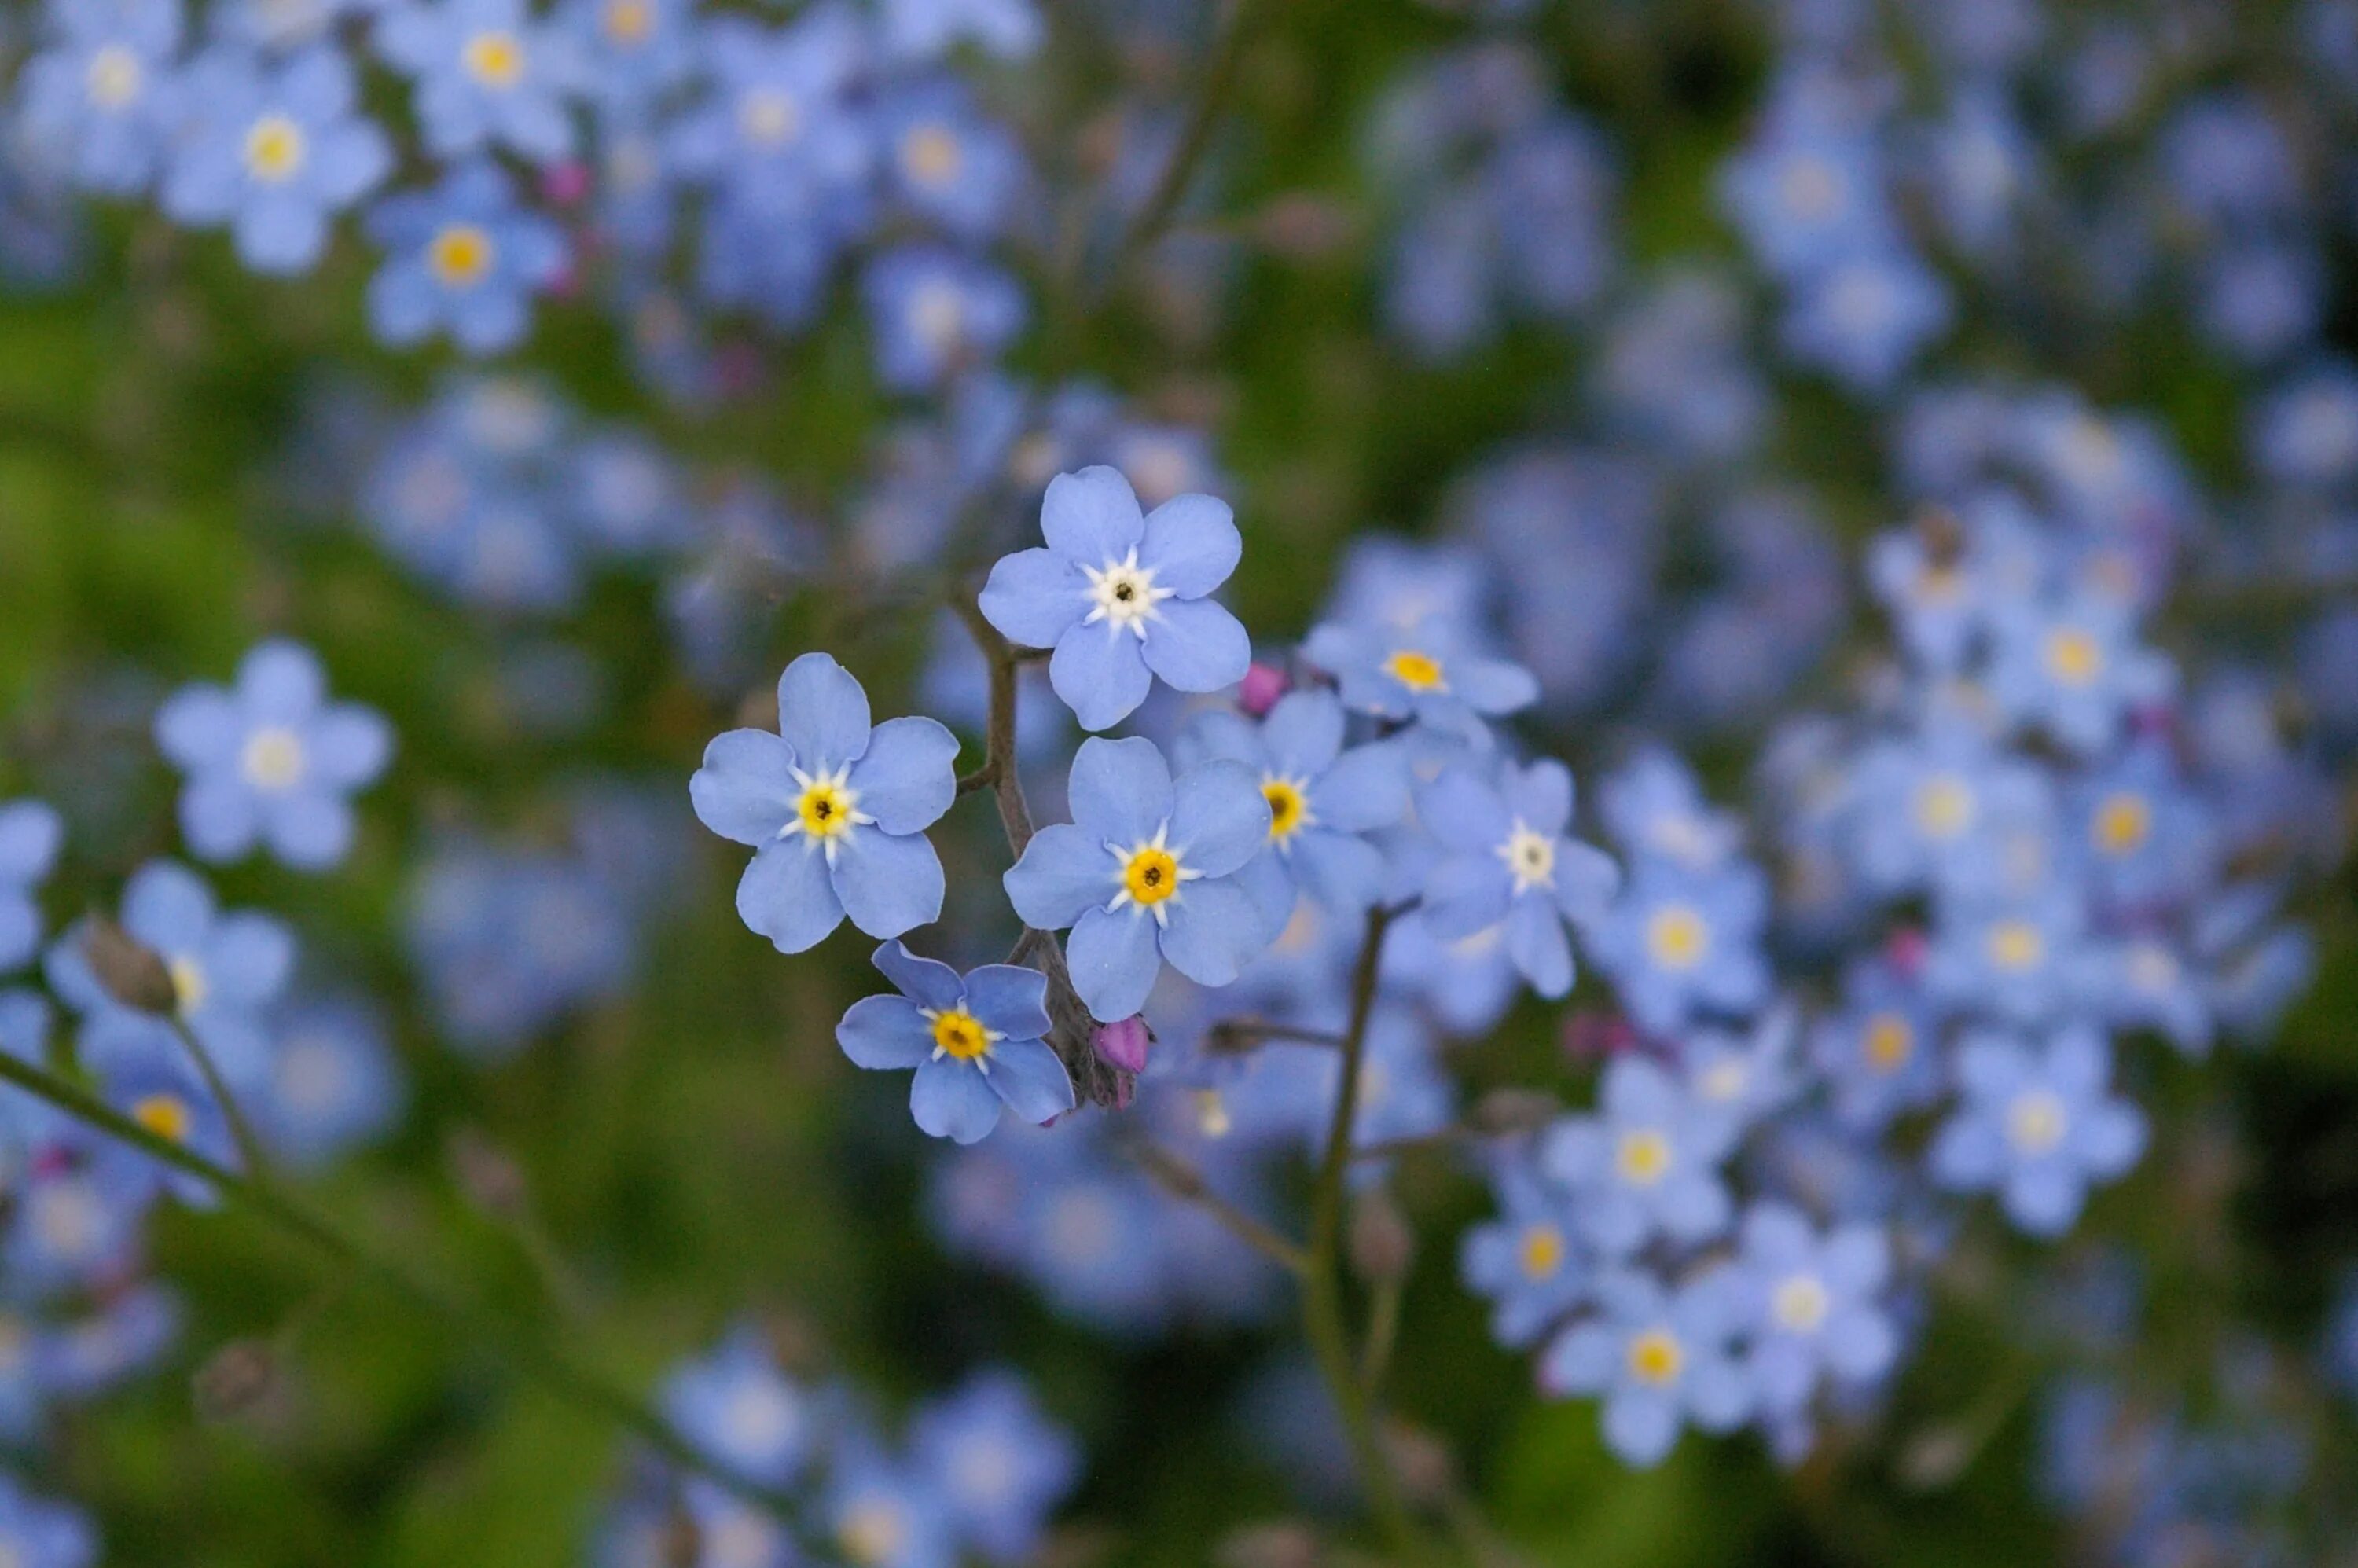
x=1814 y=1306
x=1646 y=1164
x=31 y=836
x=334 y=1081
x=1678 y=944
x=937 y=313
x=1507 y=860
x=737 y=1407
x=1432 y=672
x=157 y=1086
x=949 y=164
x=1121 y=595
x=272 y=761
x=488 y=74
x=978 y=1043
x=1529 y=1261
x=883 y=1512
x=1004 y=1465
x=1146 y=871
x=2073 y=667
x=2038 y=1125
x=462 y=257
x=1659 y=1357
x=1881 y=1054
x=97 y=97
x=927 y=29
x=37 y=1533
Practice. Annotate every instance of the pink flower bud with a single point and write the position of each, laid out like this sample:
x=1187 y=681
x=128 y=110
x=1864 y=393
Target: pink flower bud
x=1907 y=949
x=1123 y=1045
x=1262 y=685
x=564 y=184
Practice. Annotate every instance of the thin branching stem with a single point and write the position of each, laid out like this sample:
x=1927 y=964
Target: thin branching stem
x=250 y=1149
x=1184 y=1182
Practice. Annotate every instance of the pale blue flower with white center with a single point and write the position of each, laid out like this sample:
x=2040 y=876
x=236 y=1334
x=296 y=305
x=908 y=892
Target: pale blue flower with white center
x=2073 y=667
x=1434 y=672
x=78 y=1222
x=1746 y=1075
x=1123 y=596
x=1146 y=872
x=1507 y=861
x=1529 y=1261
x=273 y=150
x=95 y=99
x=631 y=52
x=2306 y=431
x=1681 y=946
x=978 y=1043
x=1652 y=805
x=464 y=258
x=1646 y=1164
x=1804 y=198
x=1321 y=799
x=937 y=313
x=928 y=29
x=1814 y=1304
x=488 y=74
x=1004 y=1465
x=1659 y=1357
x=31 y=834
x=835 y=810
x=37 y=1533
x=779 y=132
x=736 y=1407
x=1865 y=317
x=334 y=1081
x=271 y=761
x=2038 y=1125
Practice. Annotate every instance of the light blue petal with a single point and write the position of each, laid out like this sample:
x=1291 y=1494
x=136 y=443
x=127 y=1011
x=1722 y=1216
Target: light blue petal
x=1268 y=880
x=786 y=895
x=884 y=1032
x=1091 y=517
x=199 y=726
x=1120 y=791
x=822 y=713
x=744 y=791
x=1584 y=1359
x=1364 y=790
x=1536 y=942
x=1219 y=819
x=1466 y=893
x=1190 y=545
x=1211 y=932
x=1010 y=999
x=1065 y=871
x=1641 y=1426
x=1113 y=960
x=219 y=817
x=1344 y=874
x=1028 y=1077
x=888 y=884
x=1197 y=645
x=1541 y=796
x=281 y=682
x=928 y=982
x=1217 y=733
x=1492 y=686
x=1099 y=674
x=1586 y=880
x=1303 y=733
x=950 y=1099
x=1033 y=597
x=348 y=746
x=909 y=775
x=1463 y=813
x=168 y=906
x=309 y=831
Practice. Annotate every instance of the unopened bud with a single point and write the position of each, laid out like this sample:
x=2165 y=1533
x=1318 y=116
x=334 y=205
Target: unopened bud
x=487 y=1173
x=1504 y=1112
x=1123 y=1043
x=237 y=1378
x=1591 y=1036
x=1284 y=1544
x=131 y=971
x=1935 y=1457
x=566 y=183
x=1260 y=689
x=1382 y=1245
x=1305 y=227
x=1420 y=1460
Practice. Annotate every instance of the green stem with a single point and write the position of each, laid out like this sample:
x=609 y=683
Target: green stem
x=551 y=1366
x=1203 y=115
x=249 y=1145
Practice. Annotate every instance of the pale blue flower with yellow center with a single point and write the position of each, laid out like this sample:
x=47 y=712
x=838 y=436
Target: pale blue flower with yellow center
x=1880 y=1054
x=978 y=1043
x=1646 y=1164
x=488 y=74
x=1531 y=1261
x=1432 y=672
x=1681 y=946
x=157 y=1086
x=880 y=1510
x=1659 y=1357
x=1145 y=872
x=272 y=762
x=2022 y=958
x=835 y=810
x=1507 y=862
x=947 y=163
x=2073 y=668
x=1123 y=596
x=2038 y=1125
x=463 y=258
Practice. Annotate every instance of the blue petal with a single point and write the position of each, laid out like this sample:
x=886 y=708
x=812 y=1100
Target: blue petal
x=928 y=982
x=1190 y=545
x=1065 y=871
x=1197 y=645
x=1219 y=819
x=1113 y=961
x=1640 y=1425
x=1466 y=893
x=1541 y=796
x=1586 y=879
x=1268 y=880
x=822 y=713
x=885 y=1031
x=1536 y=942
x=1365 y=789
x=1010 y=999
x=309 y=831
x=281 y=682
x=786 y=895
x=1092 y=516
x=1099 y=674
x=32 y=833
x=1120 y=791
x=1492 y=686
x=1028 y=1077
x=1344 y=874
x=888 y=884
x=1216 y=733
x=743 y=791
x=950 y=1099
x=200 y=727
x=168 y=906
x=909 y=775
x=348 y=746
x=219 y=817
x=1303 y=733
x=1033 y=597
x=1463 y=813
x=1211 y=932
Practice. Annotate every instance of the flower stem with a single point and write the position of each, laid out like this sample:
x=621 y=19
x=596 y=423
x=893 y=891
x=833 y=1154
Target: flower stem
x=1236 y=19
x=249 y=1145
x=1186 y=1184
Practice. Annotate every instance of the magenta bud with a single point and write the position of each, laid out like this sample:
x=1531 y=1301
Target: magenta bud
x=1258 y=692
x=565 y=183
x=1907 y=949
x=1124 y=1045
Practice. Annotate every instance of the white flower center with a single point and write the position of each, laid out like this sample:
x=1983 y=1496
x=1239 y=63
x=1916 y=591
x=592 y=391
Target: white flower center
x=1530 y=858
x=769 y=118
x=273 y=760
x=2036 y=1122
x=115 y=78
x=1123 y=594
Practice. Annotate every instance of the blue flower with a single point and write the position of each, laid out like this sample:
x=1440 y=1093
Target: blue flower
x=1882 y=1055
x=157 y=1086
x=1431 y=672
x=509 y=942
x=883 y=1512
x=949 y=164
x=1679 y=944
x=2074 y=668
x=1646 y=1164
x=927 y=29
x=1652 y=806
x=977 y=1043
x=272 y=761
x=937 y=313
x=1863 y=317
x=462 y=257
x=1002 y=1465
x=1814 y=1306
x=2038 y=1125
x=2023 y=958
x=779 y=133
x=1659 y=1357
x=487 y=75
x=1507 y=860
x=1322 y=798
x=37 y=1533
x=2144 y=837
x=1530 y=1260
x=835 y=811
x=1146 y=871
x=274 y=151
x=334 y=1082
x=96 y=99
x=1121 y=596
x=737 y=1407
x=77 y=1220
x=30 y=836
x=632 y=51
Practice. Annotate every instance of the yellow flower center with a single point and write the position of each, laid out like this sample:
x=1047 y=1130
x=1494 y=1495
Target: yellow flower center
x=959 y=1033
x=115 y=77
x=166 y=1116
x=629 y=21
x=461 y=256
x=1541 y=1253
x=2035 y=1123
x=1418 y=671
x=1890 y=1041
x=1655 y=1356
x=275 y=148
x=826 y=809
x=1151 y=875
x=1943 y=807
x=494 y=58
x=930 y=155
x=188 y=984
x=273 y=760
x=2122 y=823
x=2072 y=656
x=1289 y=807
x=1643 y=1156
x=1800 y=1303
x=1677 y=937
x=2015 y=945
x=769 y=118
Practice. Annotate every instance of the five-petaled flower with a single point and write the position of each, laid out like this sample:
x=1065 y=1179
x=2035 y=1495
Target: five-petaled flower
x=835 y=811
x=1120 y=595
x=1508 y=859
x=978 y=1043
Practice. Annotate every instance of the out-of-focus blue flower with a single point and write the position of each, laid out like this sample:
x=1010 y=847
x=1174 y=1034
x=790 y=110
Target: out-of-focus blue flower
x=37 y=1533
x=271 y=761
x=96 y=99
x=1932 y=807
x=488 y=74
x=1322 y=798
x=275 y=151
x=1881 y=1054
x=158 y=1088
x=927 y=29
x=1431 y=671
x=334 y=1083
x=1146 y=871
x=1529 y=1261
x=1659 y=1358
x=1814 y=1304
x=1863 y=317
x=884 y=1512
x=31 y=834
x=951 y=165
x=1745 y=1076
x=1002 y=1463
x=509 y=942
x=2073 y=668
x=463 y=258
x=978 y=1043
x=736 y=1406
x=2038 y=1125
x=2142 y=836
x=79 y=1220
x=1678 y=944
x=2019 y=957
x=283 y=26
x=1123 y=596
x=2305 y=432
x=1804 y=201
x=835 y=809
x=937 y=313
x=779 y=132
x=1507 y=860
x=1646 y=1164
x=631 y=52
